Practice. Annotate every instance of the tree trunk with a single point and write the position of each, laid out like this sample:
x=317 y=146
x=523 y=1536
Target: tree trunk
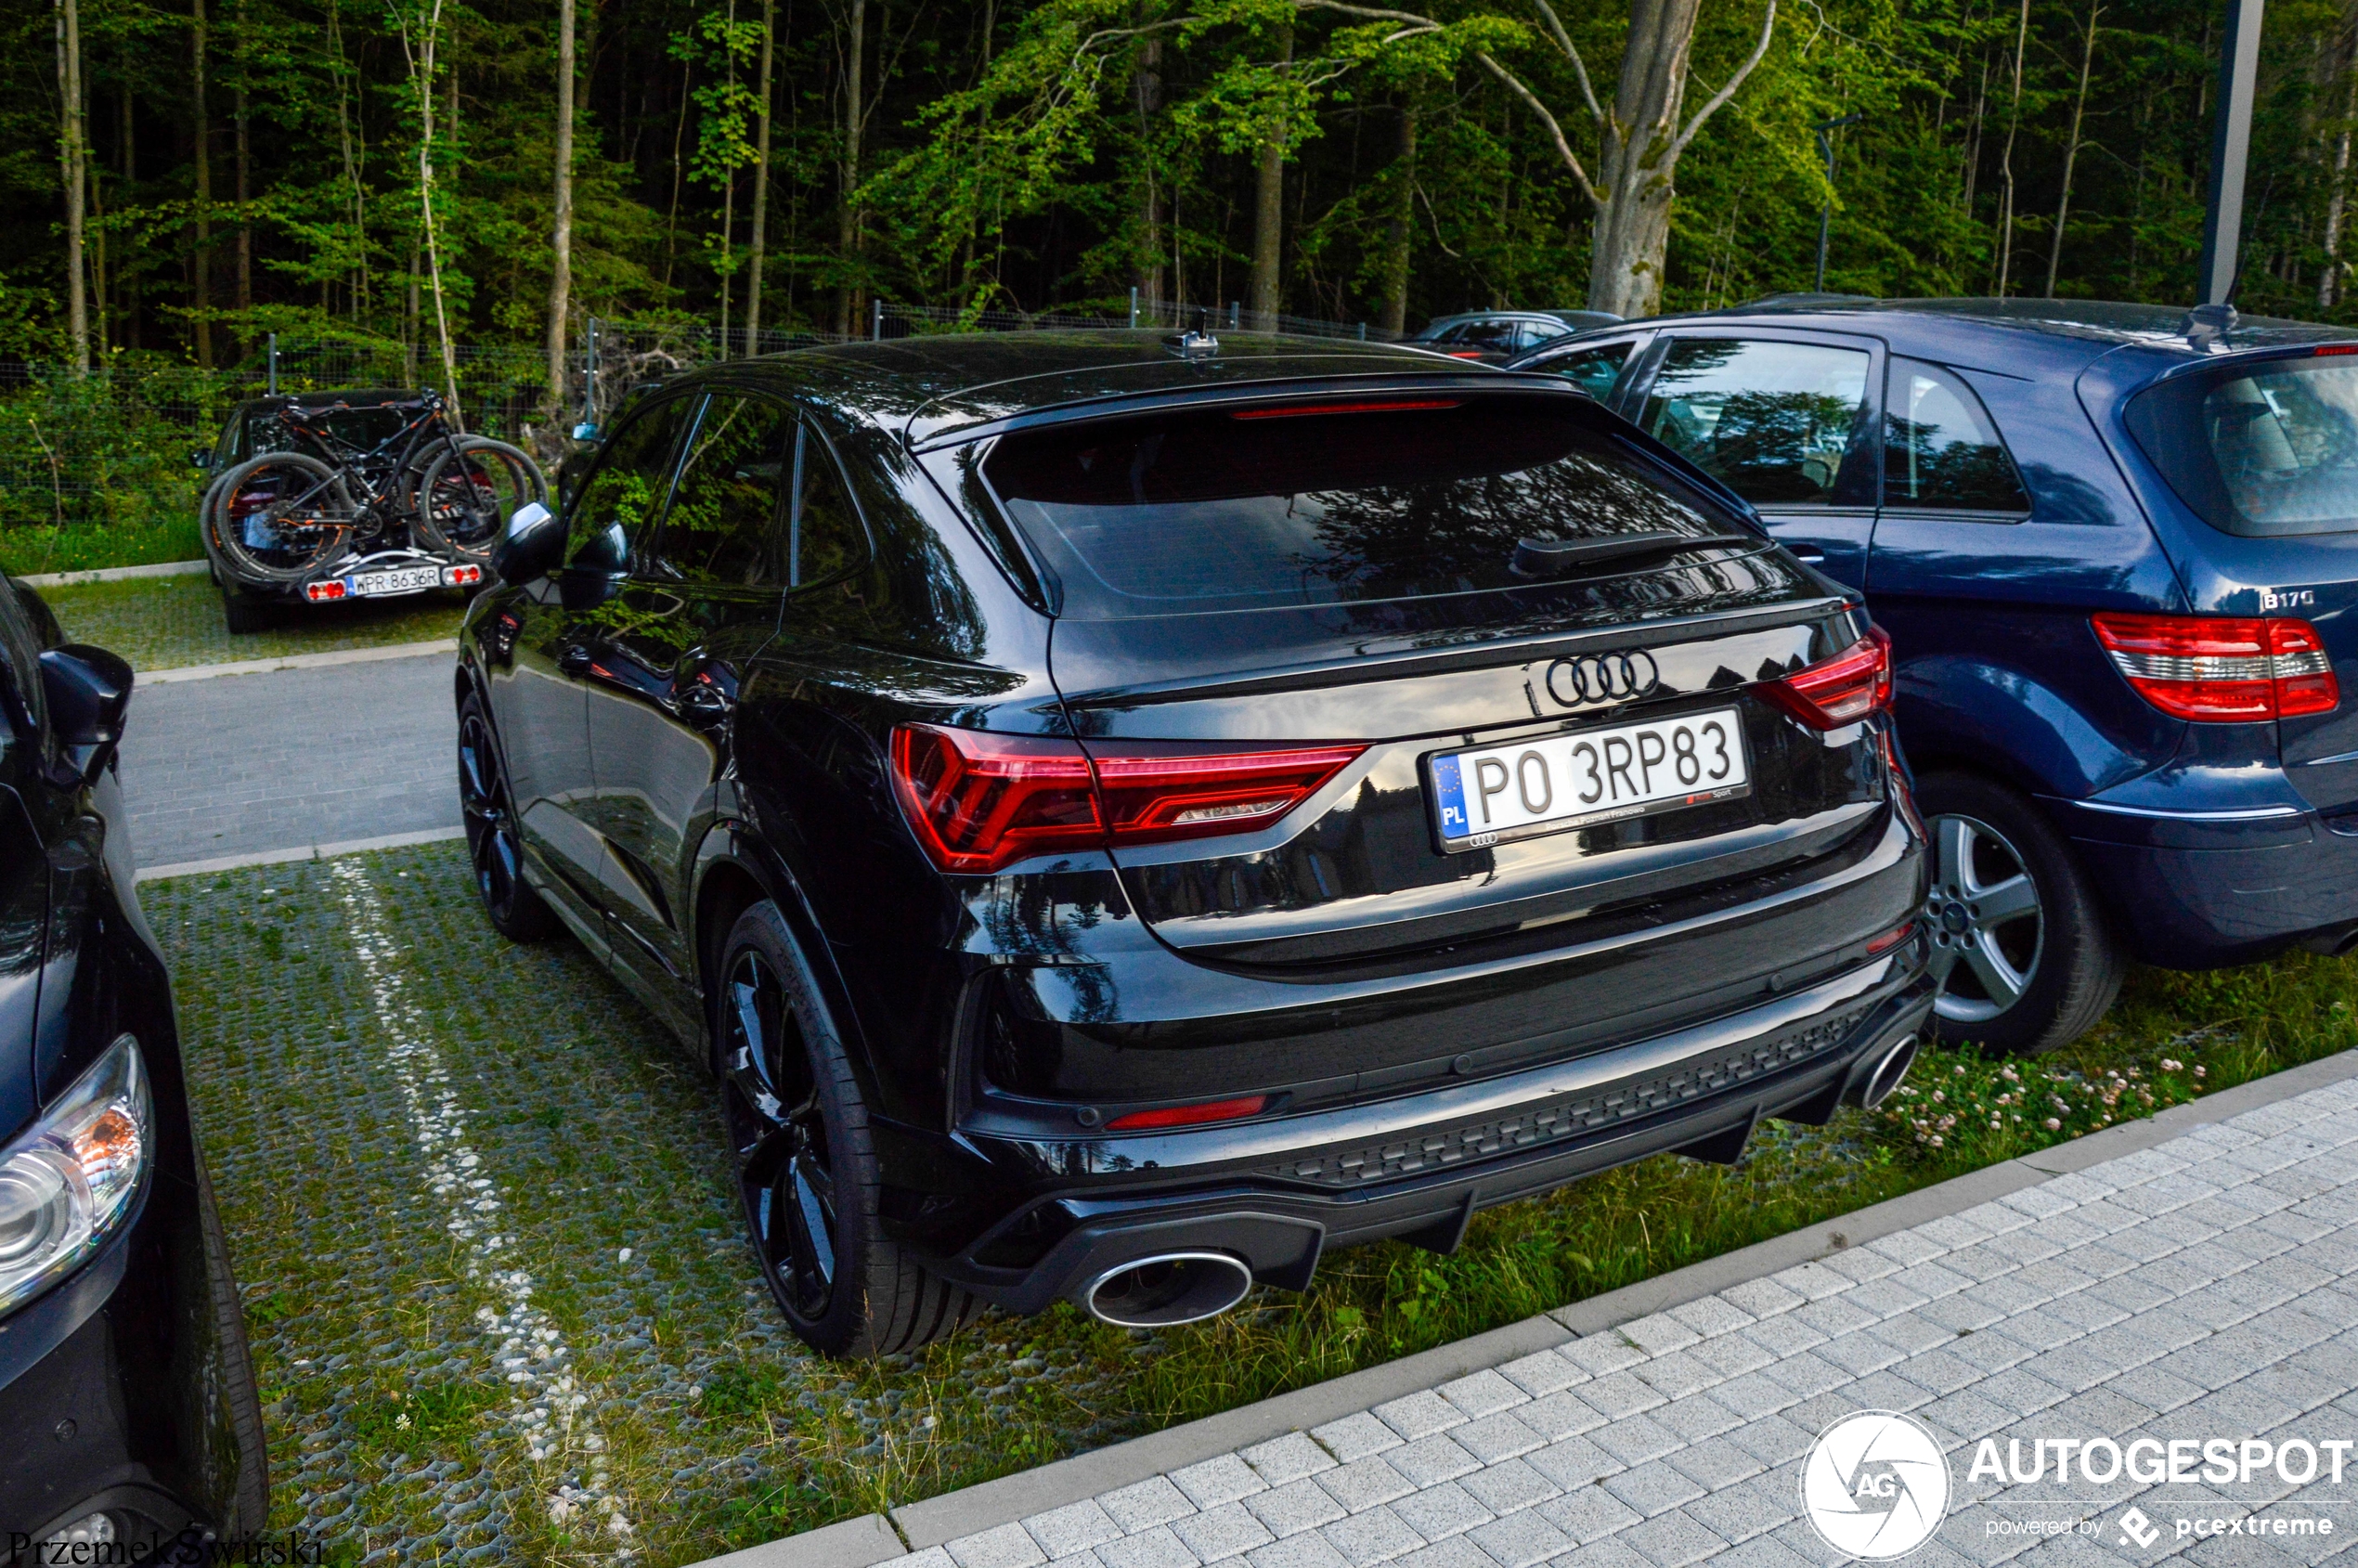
x=203 y=253
x=1638 y=162
x=1146 y=95
x=671 y=223
x=71 y=177
x=848 y=218
x=245 y=187
x=1403 y=227
x=2071 y=146
x=561 y=224
x=761 y=237
x=2006 y=159
x=422 y=68
x=1269 y=209
x=2338 y=193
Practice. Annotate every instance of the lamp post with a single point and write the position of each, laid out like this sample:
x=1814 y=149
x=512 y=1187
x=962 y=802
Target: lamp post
x=1826 y=212
x=2230 y=150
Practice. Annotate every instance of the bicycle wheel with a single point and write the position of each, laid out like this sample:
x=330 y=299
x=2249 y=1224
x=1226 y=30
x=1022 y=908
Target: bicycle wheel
x=466 y=495
x=281 y=517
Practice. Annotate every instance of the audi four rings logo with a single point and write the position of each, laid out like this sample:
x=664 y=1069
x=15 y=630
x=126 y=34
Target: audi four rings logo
x=1598 y=678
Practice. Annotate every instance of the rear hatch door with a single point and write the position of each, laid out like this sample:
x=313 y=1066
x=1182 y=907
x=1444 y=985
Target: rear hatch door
x=2263 y=449
x=1532 y=638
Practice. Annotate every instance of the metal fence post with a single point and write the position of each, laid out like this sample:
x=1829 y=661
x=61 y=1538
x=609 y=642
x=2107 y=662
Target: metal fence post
x=1133 y=307
x=1362 y=332
x=1235 y=309
x=876 y=321
x=274 y=364
x=590 y=374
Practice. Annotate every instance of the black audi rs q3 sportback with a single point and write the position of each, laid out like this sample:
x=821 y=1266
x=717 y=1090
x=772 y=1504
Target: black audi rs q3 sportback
x=1121 y=817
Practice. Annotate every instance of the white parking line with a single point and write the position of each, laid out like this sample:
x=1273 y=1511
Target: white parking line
x=548 y=1409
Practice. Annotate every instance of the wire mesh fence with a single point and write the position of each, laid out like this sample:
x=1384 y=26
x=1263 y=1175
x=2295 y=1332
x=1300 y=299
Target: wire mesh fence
x=114 y=446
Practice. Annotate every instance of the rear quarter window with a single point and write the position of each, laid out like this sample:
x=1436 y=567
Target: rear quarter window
x=1258 y=507
x=2261 y=450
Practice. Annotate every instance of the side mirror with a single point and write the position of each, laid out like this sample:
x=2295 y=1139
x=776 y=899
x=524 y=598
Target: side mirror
x=532 y=546
x=201 y=457
x=87 y=690
x=586 y=431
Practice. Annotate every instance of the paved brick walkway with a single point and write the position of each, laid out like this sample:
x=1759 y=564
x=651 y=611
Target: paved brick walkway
x=2202 y=1288
x=246 y=763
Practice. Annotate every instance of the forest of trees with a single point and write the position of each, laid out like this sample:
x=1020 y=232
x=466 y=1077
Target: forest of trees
x=496 y=172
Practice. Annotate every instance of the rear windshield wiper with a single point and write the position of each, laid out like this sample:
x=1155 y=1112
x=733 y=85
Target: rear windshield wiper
x=1554 y=558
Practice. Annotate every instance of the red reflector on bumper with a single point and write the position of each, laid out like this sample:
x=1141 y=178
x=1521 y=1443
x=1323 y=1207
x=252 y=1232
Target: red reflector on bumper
x=1190 y=1116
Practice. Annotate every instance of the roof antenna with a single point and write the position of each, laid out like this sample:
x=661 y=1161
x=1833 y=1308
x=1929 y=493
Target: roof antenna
x=2205 y=325
x=1195 y=346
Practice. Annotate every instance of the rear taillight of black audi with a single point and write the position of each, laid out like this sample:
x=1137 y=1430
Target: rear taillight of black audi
x=1843 y=688
x=980 y=802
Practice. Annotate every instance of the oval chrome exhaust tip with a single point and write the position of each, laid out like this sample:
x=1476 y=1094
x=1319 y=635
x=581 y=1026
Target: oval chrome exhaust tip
x=1888 y=1072
x=1166 y=1289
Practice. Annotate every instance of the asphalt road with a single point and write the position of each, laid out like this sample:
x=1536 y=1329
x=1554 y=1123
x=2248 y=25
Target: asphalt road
x=240 y=764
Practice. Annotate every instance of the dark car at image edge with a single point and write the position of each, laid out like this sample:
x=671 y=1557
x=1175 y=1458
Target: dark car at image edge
x=1121 y=817
x=128 y=1413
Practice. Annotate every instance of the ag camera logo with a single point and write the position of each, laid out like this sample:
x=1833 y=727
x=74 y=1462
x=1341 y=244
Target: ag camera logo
x=1875 y=1485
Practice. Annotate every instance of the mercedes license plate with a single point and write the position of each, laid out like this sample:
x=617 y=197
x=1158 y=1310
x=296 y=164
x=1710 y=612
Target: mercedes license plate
x=1494 y=794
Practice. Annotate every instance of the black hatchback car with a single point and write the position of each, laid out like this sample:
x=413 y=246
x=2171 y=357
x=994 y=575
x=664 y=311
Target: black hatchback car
x=128 y=1415
x=1121 y=817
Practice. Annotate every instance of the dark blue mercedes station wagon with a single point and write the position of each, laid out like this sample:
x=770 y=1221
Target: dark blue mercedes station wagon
x=2116 y=548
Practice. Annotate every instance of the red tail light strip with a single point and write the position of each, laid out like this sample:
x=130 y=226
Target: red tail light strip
x=1852 y=685
x=980 y=802
x=2222 y=669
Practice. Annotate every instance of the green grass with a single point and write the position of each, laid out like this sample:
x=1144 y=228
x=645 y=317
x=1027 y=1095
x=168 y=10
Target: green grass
x=81 y=547
x=165 y=623
x=724 y=1432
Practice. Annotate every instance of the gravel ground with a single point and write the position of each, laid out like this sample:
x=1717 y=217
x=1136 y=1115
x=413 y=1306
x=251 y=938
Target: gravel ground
x=169 y=623
x=499 y=1302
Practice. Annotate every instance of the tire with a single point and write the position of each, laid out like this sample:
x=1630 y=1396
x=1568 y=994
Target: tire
x=250 y=1499
x=279 y=518
x=466 y=495
x=243 y=613
x=2028 y=958
x=492 y=846
x=805 y=1163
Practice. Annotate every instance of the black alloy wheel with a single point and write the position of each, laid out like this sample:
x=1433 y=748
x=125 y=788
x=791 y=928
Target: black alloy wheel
x=492 y=849
x=2025 y=954
x=807 y=1173
x=785 y=1173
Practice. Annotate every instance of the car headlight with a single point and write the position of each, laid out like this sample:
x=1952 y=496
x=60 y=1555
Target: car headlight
x=68 y=1182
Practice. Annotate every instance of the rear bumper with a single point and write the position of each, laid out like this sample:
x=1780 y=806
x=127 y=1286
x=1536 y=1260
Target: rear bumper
x=2196 y=890
x=1418 y=1167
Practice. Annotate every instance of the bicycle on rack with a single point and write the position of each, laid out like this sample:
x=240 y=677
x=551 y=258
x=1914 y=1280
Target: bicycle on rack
x=366 y=495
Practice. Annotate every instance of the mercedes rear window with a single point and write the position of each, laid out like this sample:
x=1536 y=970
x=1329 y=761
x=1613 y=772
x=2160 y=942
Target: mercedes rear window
x=1396 y=497
x=2262 y=449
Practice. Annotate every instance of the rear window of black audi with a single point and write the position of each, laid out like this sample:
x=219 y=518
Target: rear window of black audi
x=1326 y=503
x=2262 y=450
